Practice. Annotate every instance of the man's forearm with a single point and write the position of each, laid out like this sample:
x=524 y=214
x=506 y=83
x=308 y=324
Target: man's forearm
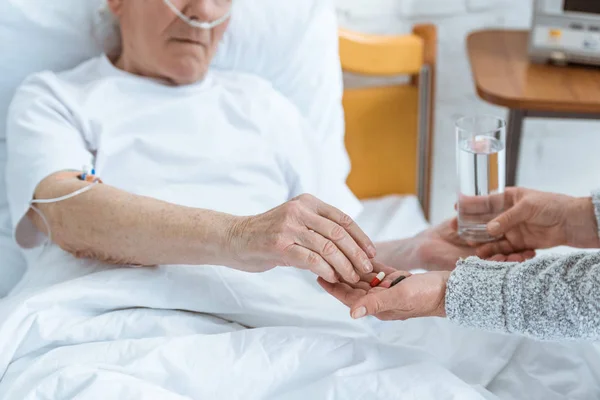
x=114 y=226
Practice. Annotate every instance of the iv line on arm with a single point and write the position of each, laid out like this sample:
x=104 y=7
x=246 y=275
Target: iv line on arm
x=86 y=177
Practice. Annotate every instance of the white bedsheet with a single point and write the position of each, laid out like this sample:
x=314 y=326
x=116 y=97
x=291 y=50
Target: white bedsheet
x=115 y=334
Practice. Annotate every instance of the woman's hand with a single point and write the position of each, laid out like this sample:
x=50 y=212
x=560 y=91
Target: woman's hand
x=420 y=295
x=538 y=220
x=304 y=233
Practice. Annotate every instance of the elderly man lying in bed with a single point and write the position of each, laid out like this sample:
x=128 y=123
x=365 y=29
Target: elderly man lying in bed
x=192 y=161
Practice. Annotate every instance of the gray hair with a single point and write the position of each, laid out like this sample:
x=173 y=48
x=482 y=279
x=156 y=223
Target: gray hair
x=107 y=31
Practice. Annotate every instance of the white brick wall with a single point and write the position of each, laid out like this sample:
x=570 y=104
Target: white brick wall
x=566 y=150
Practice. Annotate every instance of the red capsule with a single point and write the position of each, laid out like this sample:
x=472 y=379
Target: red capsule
x=377 y=280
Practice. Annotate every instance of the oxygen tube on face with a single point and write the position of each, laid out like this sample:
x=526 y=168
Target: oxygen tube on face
x=224 y=5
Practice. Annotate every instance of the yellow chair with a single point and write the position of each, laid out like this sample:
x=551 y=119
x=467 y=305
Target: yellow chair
x=389 y=130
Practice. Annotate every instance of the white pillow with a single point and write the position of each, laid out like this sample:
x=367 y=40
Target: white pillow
x=293 y=44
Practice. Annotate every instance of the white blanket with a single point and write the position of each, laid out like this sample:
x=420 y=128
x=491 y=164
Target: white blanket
x=183 y=333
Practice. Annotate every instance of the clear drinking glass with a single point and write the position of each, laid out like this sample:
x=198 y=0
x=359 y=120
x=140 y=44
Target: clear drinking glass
x=481 y=166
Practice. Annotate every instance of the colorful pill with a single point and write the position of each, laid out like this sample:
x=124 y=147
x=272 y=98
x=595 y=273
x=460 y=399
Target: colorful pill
x=397 y=281
x=377 y=280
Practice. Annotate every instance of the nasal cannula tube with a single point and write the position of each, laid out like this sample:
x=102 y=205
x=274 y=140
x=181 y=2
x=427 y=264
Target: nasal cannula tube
x=199 y=24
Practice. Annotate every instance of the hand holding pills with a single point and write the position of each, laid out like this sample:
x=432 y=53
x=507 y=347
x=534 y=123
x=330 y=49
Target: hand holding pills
x=399 y=296
x=305 y=233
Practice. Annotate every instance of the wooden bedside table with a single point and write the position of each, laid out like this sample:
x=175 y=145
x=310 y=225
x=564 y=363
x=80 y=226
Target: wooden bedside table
x=505 y=77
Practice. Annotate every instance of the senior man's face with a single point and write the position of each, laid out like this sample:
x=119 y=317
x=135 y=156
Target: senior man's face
x=158 y=44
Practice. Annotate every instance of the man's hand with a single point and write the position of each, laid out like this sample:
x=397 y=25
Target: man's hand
x=304 y=233
x=436 y=249
x=421 y=295
x=538 y=220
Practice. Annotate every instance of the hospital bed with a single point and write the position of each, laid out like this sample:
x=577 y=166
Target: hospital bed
x=117 y=334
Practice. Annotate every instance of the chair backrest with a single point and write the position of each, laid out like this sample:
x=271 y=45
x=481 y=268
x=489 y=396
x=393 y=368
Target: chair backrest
x=389 y=130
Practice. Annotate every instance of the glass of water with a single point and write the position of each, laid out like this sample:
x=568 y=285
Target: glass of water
x=481 y=165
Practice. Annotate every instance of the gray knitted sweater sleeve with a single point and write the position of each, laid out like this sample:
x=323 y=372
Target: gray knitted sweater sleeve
x=548 y=298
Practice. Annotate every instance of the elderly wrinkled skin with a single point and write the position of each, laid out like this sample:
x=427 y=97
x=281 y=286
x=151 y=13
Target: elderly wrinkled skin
x=157 y=44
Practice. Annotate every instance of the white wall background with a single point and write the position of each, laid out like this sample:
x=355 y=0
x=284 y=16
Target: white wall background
x=559 y=156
